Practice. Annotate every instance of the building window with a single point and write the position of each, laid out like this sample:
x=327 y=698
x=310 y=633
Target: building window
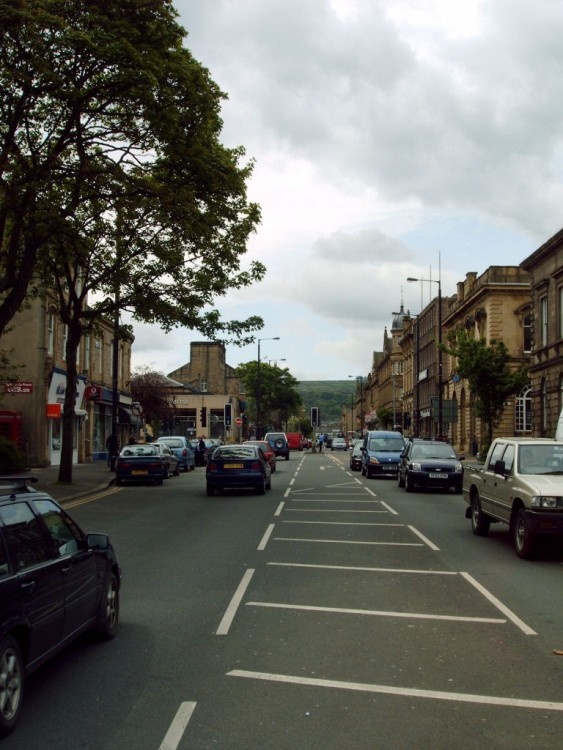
x=203 y=386
x=524 y=410
x=543 y=408
x=560 y=300
x=86 y=353
x=543 y=321
x=527 y=330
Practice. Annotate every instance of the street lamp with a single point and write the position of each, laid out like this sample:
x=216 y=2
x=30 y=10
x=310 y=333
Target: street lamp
x=258 y=388
x=440 y=401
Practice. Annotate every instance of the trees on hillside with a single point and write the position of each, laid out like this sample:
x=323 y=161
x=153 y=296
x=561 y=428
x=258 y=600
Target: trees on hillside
x=491 y=378
x=113 y=178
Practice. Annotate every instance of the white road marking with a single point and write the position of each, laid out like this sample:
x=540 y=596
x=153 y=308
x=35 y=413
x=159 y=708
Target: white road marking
x=347 y=541
x=499 y=605
x=346 y=523
x=266 y=537
x=230 y=613
x=377 y=613
x=327 y=500
x=389 y=508
x=279 y=509
x=178 y=726
x=332 y=510
x=366 y=569
x=492 y=700
x=424 y=539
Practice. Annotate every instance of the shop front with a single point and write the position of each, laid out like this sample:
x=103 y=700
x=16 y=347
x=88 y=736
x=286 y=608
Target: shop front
x=55 y=402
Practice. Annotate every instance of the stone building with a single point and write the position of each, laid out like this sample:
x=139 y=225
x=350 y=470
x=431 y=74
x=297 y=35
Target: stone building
x=496 y=305
x=545 y=267
x=199 y=391
x=36 y=345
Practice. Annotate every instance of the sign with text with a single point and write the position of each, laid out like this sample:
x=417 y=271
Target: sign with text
x=19 y=387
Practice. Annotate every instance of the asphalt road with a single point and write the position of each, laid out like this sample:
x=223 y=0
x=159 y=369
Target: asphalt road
x=335 y=612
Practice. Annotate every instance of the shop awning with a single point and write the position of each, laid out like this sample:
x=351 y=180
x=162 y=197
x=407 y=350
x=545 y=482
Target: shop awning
x=129 y=417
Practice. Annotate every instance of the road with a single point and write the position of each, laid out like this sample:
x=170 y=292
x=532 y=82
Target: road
x=335 y=612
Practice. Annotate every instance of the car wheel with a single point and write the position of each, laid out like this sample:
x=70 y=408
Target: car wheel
x=480 y=522
x=177 y=471
x=210 y=490
x=108 y=612
x=409 y=486
x=11 y=684
x=400 y=480
x=261 y=489
x=524 y=540
x=165 y=472
x=159 y=481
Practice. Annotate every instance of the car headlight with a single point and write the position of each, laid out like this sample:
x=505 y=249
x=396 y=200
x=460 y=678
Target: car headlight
x=415 y=466
x=547 y=501
x=373 y=460
x=458 y=467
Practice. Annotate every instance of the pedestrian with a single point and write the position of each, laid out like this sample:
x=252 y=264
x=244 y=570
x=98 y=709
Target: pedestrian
x=201 y=451
x=112 y=447
x=321 y=442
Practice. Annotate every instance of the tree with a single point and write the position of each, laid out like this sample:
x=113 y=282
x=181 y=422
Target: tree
x=491 y=377
x=149 y=389
x=276 y=387
x=385 y=417
x=113 y=178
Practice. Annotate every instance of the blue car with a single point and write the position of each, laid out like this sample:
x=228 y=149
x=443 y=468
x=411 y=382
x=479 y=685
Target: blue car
x=238 y=467
x=139 y=463
x=381 y=453
x=182 y=449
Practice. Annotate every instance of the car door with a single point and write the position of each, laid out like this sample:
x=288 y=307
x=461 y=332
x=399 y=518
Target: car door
x=79 y=567
x=34 y=591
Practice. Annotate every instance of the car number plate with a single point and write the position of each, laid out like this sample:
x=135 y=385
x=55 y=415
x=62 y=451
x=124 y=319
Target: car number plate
x=389 y=468
x=140 y=471
x=234 y=466
x=438 y=476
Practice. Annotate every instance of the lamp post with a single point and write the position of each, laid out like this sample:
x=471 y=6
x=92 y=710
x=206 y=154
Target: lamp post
x=440 y=401
x=360 y=380
x=258 y=388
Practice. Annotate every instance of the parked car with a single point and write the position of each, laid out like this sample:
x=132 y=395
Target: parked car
x=278 y=441
x=182 y=449
x=295 y=441
x=356 y=457
x=139 y=463
x=429 y=463
x=169 y=459
x=56 y=582
x=339 y=444
x=238 y=467
x=381 y=453
x=268 y=451
x=210 y=445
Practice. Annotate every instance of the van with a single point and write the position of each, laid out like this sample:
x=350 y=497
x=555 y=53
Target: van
x=295 y=440
x=381 y=453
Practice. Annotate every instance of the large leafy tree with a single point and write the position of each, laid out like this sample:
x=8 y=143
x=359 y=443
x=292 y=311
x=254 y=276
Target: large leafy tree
x=275 y=387
x=149 y=388
x=113 y=179
x=491 y=376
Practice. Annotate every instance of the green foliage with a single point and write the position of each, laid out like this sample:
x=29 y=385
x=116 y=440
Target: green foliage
x=489 y=374
x=329 y=396
x=11 y=459
x=274 y=386
x=385 y=418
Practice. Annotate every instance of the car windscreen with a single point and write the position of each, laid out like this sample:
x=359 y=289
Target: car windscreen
x=172 y=443
x=433 y=450
x=394 y=445
x=235 y=452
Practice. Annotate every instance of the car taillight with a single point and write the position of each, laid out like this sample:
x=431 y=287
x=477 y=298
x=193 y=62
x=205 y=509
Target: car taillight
x=211 y=466
x=255 y=465
x=185 y=452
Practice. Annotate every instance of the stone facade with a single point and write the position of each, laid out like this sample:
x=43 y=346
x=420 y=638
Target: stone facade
x=545 y=266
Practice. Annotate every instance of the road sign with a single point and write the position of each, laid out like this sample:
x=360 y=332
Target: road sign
x=238 y=421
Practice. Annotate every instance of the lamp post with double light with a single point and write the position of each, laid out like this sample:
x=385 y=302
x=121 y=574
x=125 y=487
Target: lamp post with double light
x=440 y=399
x=259 y=389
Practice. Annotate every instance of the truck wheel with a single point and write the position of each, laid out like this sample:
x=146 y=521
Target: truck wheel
x=524 y=540
x=480 y=522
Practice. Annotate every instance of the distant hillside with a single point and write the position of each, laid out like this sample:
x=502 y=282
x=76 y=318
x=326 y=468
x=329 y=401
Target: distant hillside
x=328 y=395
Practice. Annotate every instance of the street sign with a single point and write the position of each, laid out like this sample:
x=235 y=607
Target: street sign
x=238 y=421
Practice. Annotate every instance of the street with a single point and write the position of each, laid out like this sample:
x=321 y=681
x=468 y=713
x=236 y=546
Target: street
x=335 y=612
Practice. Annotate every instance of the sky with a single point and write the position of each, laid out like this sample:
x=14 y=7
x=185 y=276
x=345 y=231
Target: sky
x=391 y=139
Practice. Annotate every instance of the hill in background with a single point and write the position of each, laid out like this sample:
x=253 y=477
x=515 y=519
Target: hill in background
x=329 y=396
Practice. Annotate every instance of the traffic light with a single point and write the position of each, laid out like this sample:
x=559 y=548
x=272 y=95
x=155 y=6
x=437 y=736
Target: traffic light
x=203 y=415
x=228 y=415
x=315 y=416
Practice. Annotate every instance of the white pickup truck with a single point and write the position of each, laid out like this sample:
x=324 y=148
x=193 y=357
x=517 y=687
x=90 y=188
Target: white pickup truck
x=520 y=484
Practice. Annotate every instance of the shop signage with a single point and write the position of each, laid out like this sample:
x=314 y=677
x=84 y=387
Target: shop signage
x=19 y=387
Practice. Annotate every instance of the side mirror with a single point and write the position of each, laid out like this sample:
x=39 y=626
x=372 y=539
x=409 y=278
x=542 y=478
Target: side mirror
x=97 y=541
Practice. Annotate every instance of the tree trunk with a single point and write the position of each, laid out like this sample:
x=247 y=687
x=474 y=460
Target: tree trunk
x=69 y=415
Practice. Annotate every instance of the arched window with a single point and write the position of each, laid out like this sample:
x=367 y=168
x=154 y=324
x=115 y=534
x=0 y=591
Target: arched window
x=524 y=411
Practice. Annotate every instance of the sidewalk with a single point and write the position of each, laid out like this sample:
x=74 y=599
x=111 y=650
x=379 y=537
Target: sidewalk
x=86 y=479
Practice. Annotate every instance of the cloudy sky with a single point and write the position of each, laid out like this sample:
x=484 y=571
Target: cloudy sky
x=392 y=138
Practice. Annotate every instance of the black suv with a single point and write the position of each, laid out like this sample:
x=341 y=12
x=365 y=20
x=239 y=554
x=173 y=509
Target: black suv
x=279 y=444
x=56 y=582
x=429 y=463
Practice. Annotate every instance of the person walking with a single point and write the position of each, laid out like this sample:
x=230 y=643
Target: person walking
x=321 y=442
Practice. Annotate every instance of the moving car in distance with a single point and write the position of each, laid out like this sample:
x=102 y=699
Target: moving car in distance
x=236 y=467
x=278 y=441
x=139 y=463
x=268 y=451
x=429 y=463
x=41 y=547
x=339 y=444
x=169 y=459
x=182 y=449
x=356 y=457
